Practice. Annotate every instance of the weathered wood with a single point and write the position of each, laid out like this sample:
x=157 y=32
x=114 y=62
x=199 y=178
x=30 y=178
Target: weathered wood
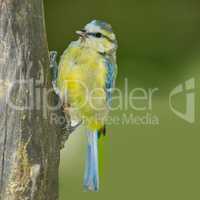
x=29 y=143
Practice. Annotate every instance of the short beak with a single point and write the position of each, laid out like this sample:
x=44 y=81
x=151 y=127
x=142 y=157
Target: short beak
x=81 y=33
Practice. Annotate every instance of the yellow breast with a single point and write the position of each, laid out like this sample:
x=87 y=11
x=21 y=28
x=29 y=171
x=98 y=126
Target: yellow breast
x=81 y=77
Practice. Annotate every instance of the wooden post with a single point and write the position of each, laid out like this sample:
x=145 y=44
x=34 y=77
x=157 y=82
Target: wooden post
x=29 y=142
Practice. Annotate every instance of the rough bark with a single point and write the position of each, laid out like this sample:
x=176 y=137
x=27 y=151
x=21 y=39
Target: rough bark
x=29 y=142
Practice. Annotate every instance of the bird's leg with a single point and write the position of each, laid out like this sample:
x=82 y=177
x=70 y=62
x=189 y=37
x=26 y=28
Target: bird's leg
x=74 y=126
x=71 y=125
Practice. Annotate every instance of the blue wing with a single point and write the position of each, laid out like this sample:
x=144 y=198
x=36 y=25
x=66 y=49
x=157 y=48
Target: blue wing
x=110 y=78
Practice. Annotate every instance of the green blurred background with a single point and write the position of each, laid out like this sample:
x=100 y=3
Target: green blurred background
x=159 y=47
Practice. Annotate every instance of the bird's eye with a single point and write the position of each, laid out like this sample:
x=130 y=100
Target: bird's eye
x=98 y=35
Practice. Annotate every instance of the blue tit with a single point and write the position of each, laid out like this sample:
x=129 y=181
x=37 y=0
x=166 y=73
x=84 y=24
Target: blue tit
x=86 y=76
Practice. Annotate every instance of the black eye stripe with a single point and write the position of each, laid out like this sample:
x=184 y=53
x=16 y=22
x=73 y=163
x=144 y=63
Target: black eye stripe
x=100 y=35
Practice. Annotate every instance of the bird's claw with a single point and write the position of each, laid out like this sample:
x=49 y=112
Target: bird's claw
x=70 y=128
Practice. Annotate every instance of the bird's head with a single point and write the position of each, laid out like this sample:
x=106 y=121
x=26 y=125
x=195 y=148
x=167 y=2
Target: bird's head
x=99 y=36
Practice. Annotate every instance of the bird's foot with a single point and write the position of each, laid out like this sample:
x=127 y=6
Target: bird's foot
x=69 y=129
x=73 y=126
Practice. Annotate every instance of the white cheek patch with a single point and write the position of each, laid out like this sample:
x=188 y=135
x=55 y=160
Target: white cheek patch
x=92 y=43
x=101 y=48
x=112 y=36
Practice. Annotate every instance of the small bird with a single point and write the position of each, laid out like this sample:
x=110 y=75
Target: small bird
x=86 y=76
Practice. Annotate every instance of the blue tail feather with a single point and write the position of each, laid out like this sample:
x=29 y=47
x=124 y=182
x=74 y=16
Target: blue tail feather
x=91 y=176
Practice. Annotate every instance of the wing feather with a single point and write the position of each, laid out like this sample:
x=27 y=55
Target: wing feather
x=110 y=78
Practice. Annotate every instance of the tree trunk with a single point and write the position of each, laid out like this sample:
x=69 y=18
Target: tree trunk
x=29 y=142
